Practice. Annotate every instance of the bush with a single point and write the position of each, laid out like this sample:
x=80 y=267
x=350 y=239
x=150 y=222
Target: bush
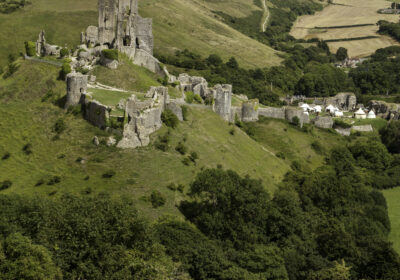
x=30 y=48
x=64 y=52
x=109 y=174
x=180 y=148
x=172 y=187
x=5 y=185
x=6 y=156
x=54 y=180
x=232 y=131
x=59 y=126
x=193 y=156
x=184 y=112
x=169 y=118
x=181 y=188
x=317 y=147
x=186 y=161
x=157 y=199
x=65 y=70
x=110 y=54
x=341 y=123
x=281 y=155
x=162 y=142
x=189 y=97
x=27 y=149
x=39 y=183
x=198 y=99
x=296 y=121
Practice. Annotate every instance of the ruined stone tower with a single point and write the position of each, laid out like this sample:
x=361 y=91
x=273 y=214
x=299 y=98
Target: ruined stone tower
x=223 y=100
x=76 y=86
x=121 y=27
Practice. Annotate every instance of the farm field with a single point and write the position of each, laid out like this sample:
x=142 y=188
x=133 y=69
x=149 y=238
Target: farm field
x=351 y=12
x=393 y=201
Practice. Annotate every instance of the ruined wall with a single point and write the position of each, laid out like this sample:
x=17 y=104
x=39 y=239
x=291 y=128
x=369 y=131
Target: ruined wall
x=344 y=101
x=323 y=122
x=76 y=86
x=97 y=113
x=272 y=112
x=389 y=111
x=290 y=113
x=145 y=59
x=236 y=114
x=363 y=128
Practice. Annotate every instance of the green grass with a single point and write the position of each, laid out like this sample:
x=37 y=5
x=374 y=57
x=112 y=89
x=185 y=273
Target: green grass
x=281 y=137
x=177 y=24
x=128 y=76
x=26 y=119
x=393 y=201
x=108 y=97
x=377 y=123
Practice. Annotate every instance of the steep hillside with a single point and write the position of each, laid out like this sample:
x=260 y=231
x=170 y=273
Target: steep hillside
x=44 y=163
x=178 y=24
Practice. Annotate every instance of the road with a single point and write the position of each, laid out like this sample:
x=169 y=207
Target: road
x=267 y=13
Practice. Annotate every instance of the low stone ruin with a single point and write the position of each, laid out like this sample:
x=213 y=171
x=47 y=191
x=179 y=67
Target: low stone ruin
x=45 y=49
x=345 y=101
x=388 y=111
x=284 y=113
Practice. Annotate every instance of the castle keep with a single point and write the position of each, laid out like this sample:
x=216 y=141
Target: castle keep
x=121 y=27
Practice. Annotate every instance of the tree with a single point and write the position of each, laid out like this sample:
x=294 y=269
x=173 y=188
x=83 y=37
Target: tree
x=30 y=48
x=390 y=136
x=232 y=63
x=21 y=259
x=214 y=60
x=169 y=118
x=341 y=54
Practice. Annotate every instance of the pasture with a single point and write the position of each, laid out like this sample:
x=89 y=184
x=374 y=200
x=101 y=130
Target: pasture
x=350 y=13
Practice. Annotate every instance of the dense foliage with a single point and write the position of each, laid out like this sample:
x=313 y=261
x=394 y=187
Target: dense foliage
x=9 y=6
x=391 y=136
x=30 y=48
x=110 y=54
x=389 y=28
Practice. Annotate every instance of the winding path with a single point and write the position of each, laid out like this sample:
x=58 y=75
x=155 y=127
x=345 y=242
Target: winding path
x=267 y=14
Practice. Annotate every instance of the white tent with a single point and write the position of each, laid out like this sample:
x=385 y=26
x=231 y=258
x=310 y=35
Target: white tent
x=371 y=115
x=360 y=114
x=305 y=106
x=330 y=108
x=306 y=113
x=318 y=109
x=338 y=113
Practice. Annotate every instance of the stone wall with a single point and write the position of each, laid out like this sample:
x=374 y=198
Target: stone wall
x=145 y=59
x=290 y=113
x=323 y=122
x=76 y=86
x=344 y=101
x=272 y=112
x=363 y=128
x=236 y=114
x=97 y=113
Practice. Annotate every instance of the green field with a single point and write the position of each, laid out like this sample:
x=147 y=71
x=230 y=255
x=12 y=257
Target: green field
x=393 y=201
x=178 y=24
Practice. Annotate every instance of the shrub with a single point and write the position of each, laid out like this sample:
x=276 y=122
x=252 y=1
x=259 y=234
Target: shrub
x=54 y=180
x=209 y=100
x=39 y=183
x=110 y=54
x=189 y=97
x=186 y=161
x=27 y=149
x=341 y=123
x=65 y=70
x=281 y=155
x=30 y=48
x=59 y=126
x=109 y=174
x=180 y=148
x=172 y=187
x=157 y=199
x=181 y=188
x=232 y=131
x=198 y=99
x=75 y=109
x=296 y=165
x=64 y=52
x=162 y=142
x=169 y=118
x=296 y=121
x=5 y=185
x=184 y=112
x=317 y=147
x=193 y=156
x=6 y=156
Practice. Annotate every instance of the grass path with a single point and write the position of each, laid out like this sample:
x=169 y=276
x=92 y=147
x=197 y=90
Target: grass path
x=266 y=15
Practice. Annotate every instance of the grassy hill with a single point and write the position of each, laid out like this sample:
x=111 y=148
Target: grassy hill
x=392 y=199
x=178 y=24
x=78 y=165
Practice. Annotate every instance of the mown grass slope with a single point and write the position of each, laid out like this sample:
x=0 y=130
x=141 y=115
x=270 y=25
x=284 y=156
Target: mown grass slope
x=393 y=201
x=178 y=24
x=79 y=165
